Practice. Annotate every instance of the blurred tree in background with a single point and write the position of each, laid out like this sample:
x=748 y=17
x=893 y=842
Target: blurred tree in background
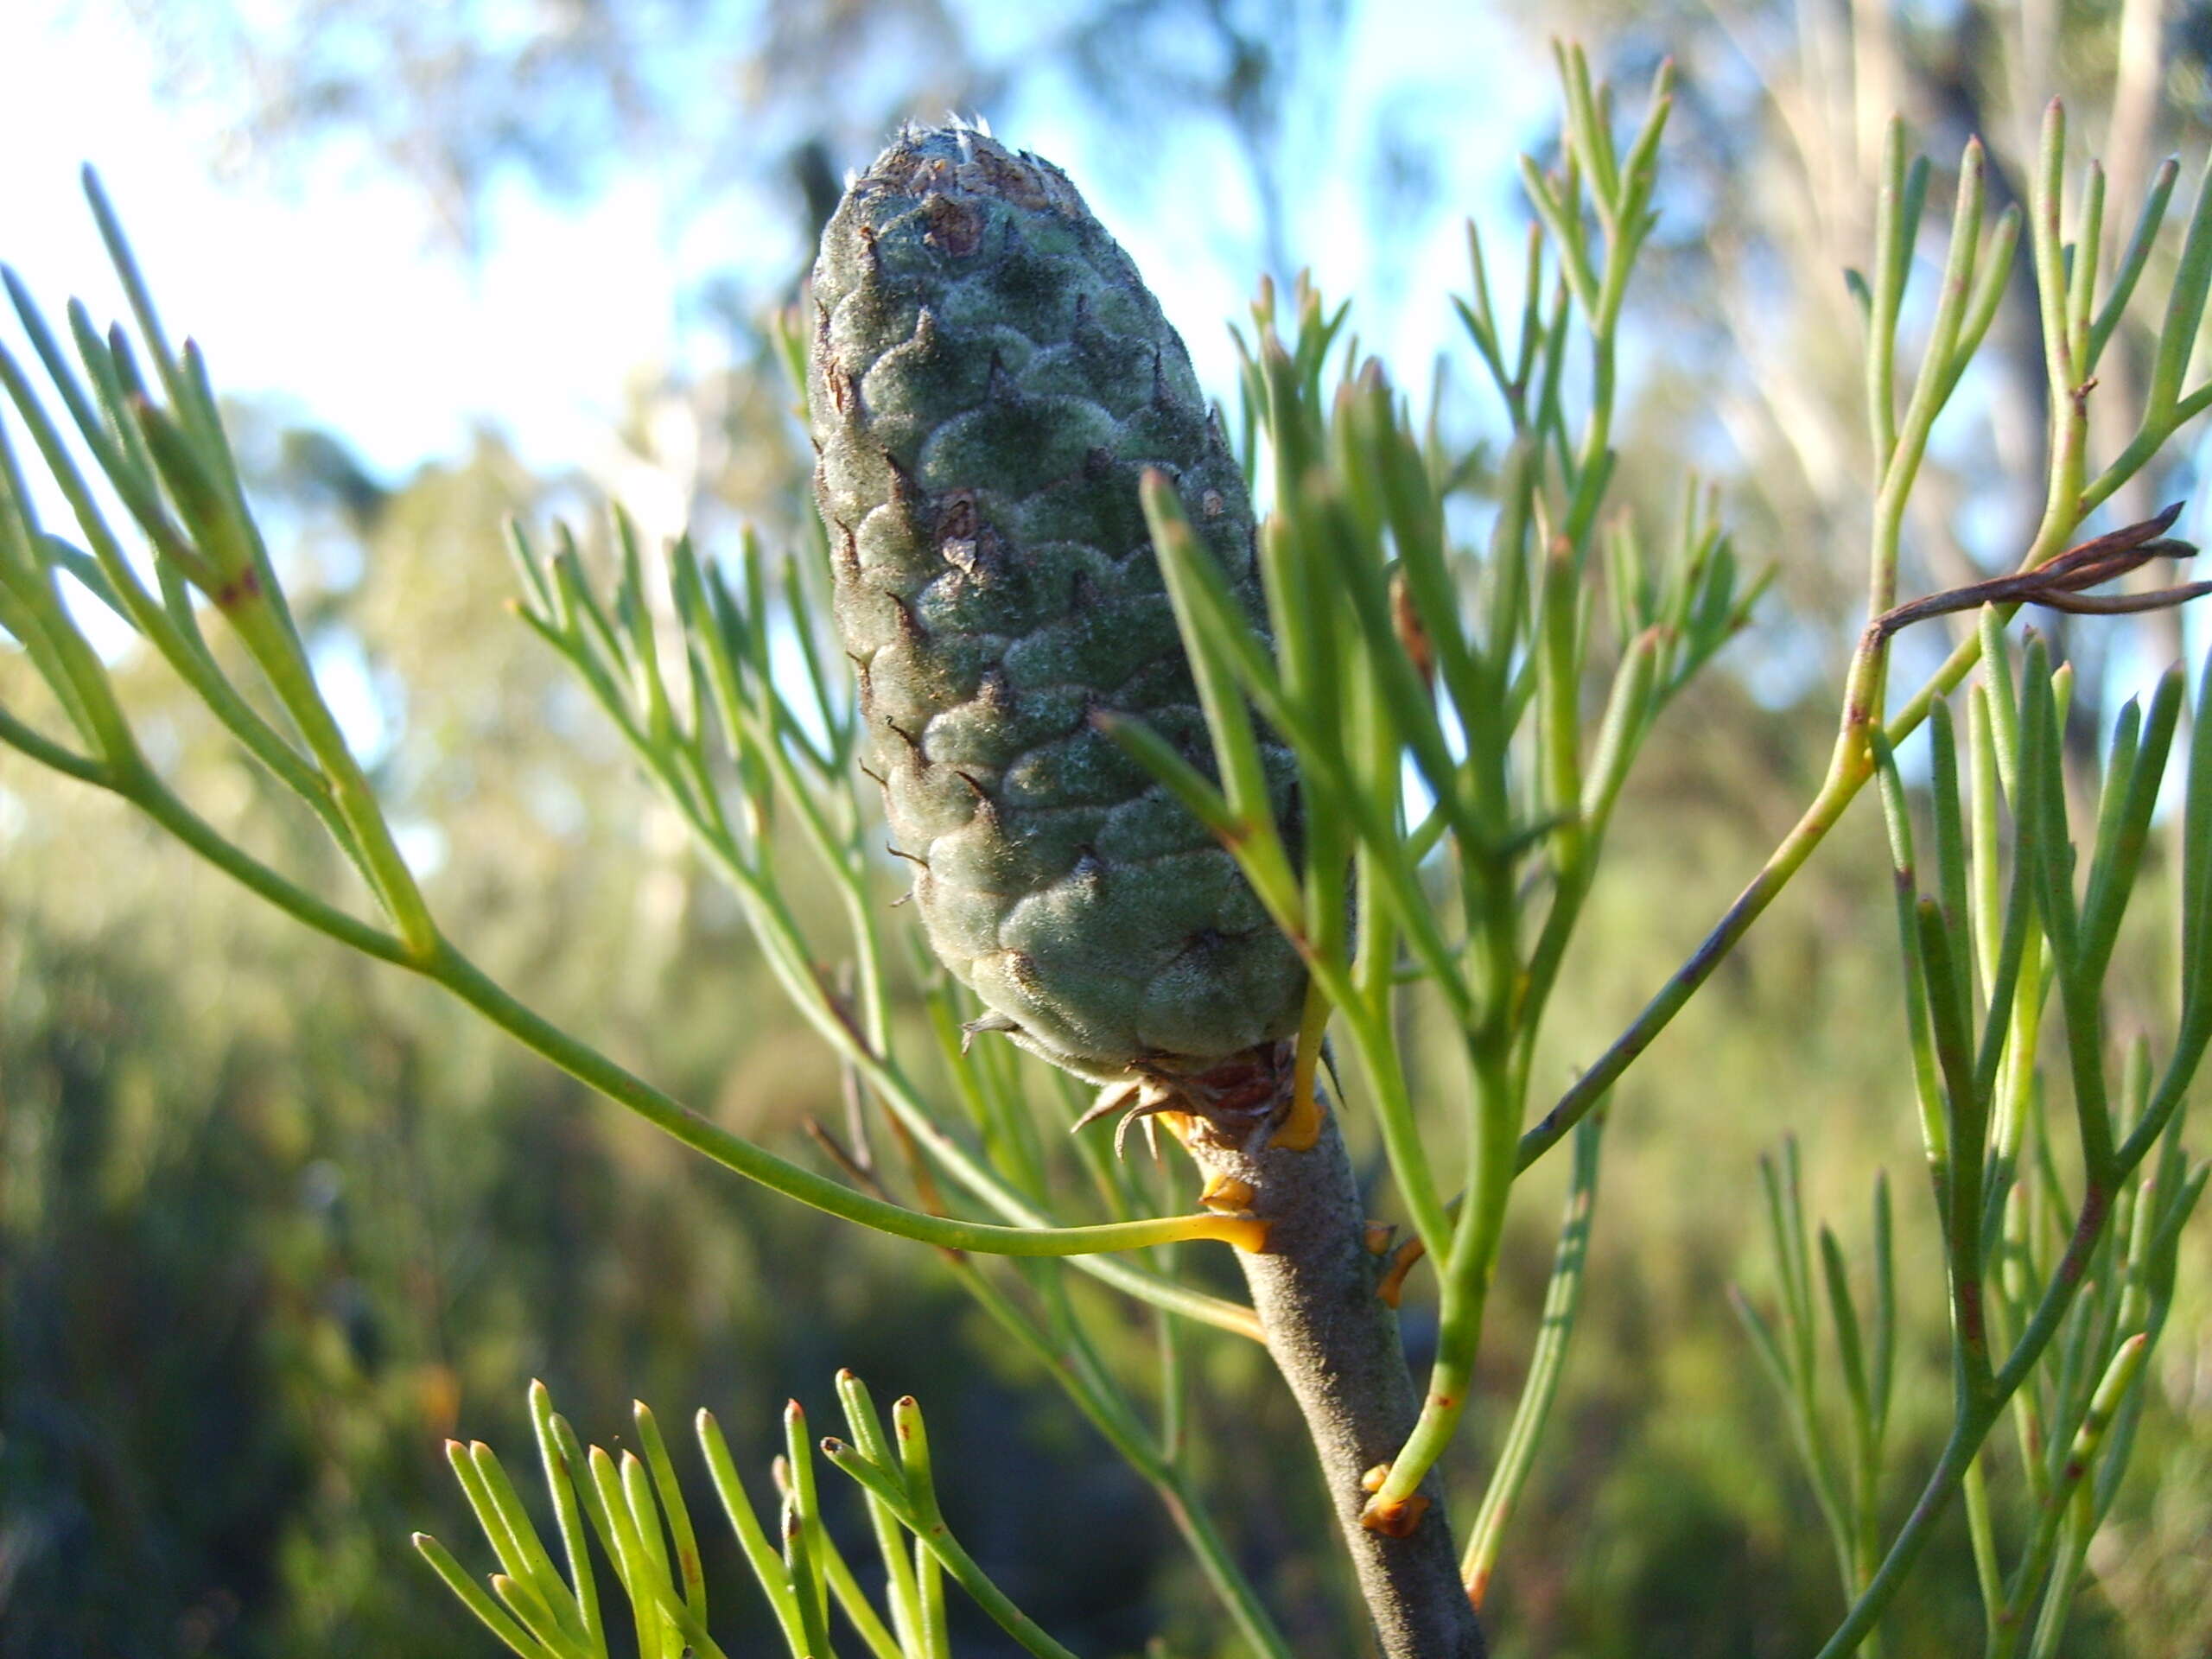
x=256 y=1195
x=1785 y=111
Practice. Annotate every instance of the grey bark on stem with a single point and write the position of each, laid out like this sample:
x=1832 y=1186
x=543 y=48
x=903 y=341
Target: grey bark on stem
x=1336 y=1342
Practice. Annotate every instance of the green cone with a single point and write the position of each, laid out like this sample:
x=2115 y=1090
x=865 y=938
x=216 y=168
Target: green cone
x=990 y=377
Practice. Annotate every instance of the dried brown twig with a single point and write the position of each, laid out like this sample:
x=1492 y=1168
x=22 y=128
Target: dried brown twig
x=2059 y=584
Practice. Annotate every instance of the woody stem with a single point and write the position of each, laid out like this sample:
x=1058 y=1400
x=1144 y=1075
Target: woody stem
x=1335 y=1342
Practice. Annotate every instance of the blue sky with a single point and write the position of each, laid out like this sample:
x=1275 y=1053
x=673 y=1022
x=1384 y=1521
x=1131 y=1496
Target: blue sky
x=330 y=302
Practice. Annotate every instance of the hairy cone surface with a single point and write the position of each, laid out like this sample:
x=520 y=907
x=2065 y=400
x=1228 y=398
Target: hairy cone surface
x=990 y=378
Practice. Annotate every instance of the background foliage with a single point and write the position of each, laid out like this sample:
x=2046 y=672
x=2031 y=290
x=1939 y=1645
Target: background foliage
x=273 y=1223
